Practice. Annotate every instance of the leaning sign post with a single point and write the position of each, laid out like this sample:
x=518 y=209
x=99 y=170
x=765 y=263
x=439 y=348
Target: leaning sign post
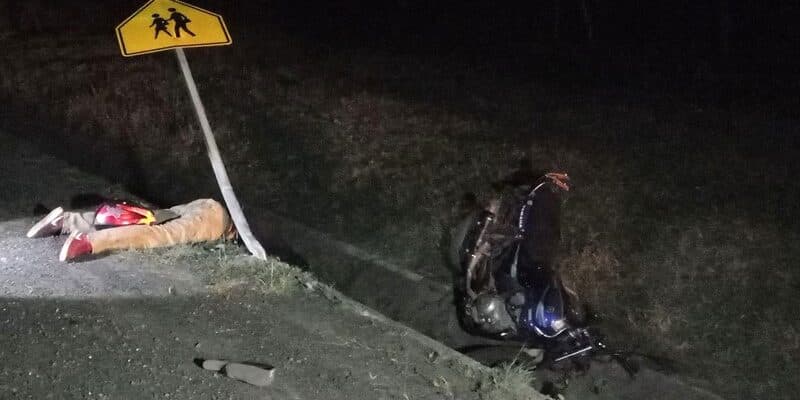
x=169 y=24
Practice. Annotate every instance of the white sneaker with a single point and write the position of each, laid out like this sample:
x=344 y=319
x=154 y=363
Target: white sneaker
x=50 y=225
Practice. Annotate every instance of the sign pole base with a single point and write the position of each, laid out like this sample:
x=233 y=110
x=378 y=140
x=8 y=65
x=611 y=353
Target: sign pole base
x=220 y=173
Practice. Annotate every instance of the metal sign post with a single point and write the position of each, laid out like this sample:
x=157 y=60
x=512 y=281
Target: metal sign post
x=170 y=24
x=220 y=173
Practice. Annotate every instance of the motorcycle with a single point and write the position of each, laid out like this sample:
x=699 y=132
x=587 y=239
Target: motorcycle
x=509 y=288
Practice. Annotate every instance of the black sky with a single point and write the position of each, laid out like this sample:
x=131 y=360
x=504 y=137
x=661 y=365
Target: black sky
x=744 y=35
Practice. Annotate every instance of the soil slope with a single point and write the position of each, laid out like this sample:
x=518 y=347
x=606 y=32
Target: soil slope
x=133 y=324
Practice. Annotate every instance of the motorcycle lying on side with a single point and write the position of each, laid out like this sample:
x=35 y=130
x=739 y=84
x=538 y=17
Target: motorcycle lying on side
x=508 y=286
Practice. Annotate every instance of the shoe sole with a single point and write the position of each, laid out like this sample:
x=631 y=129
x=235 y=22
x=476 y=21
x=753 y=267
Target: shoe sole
x=48 y=219
x=62 y=255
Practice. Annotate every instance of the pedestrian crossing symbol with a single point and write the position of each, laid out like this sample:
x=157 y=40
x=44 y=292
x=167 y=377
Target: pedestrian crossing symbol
x=170 y=24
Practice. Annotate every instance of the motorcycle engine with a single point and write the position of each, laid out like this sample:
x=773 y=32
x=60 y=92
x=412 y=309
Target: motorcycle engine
x=489 y=312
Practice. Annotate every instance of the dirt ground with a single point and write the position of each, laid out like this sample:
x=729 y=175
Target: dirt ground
x=427 y=305
x=133 y=324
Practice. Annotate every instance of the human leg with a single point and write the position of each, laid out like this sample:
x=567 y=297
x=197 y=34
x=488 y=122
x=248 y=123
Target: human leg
x=78 y=222
x=60 y=222
x=201 y=220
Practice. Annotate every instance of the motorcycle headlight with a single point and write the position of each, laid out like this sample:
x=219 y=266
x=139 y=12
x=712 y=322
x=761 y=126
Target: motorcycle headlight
x=548 y=321
x=559 y=325
x=545 y=316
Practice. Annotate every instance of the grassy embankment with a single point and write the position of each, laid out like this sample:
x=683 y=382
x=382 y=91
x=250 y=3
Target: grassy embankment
x=679 y=230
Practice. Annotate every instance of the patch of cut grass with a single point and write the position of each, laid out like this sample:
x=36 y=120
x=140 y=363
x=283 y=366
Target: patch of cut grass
x=271 y=276
x=510 y=381
x=582 y=269
x=225 y=265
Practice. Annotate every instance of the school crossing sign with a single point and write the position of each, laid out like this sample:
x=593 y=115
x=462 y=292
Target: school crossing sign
x=170 y=24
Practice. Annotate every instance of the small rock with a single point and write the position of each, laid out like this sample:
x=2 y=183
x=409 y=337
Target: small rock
x=250 y=374
x=214 y=365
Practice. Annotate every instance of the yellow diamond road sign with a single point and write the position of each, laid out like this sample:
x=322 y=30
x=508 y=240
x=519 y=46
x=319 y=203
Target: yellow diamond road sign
x=170 y=24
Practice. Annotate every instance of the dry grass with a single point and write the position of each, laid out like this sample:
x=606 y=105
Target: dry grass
x=583 y=269
x=225 y=266
x=510 y=381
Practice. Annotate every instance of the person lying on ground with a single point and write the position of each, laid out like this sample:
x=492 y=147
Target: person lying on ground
x=123 y=226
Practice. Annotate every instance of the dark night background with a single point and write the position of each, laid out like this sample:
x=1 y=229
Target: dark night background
x=744 y=36
x=734 y=48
